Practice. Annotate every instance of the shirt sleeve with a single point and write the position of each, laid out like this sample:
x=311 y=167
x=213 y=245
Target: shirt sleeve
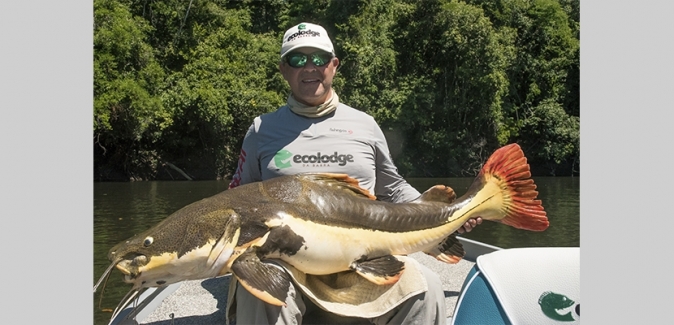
x=389 y=185
x=248 y=168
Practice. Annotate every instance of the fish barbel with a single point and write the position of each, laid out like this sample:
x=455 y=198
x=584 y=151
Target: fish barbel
x=322 y=224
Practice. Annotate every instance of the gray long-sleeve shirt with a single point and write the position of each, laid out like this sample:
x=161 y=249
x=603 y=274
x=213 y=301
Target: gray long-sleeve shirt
x=346 y=141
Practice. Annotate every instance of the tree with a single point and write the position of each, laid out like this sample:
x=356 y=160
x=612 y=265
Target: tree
x=229 y=78
x=368 y=59
x=128 y=112
x=545 y=71
x=177 y=83
x=552 y=139
x=454 y=65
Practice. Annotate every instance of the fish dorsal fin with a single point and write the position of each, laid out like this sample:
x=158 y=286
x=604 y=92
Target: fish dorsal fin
x=342 y=181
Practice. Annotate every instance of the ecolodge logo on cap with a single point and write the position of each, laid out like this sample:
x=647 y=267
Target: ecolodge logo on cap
x=303 y=32
x=306 y=35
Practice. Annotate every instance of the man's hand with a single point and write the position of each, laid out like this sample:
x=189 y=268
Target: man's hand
x=469 y=225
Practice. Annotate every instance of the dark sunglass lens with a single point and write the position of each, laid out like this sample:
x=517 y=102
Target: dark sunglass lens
x=321 y=59
x=297 y=60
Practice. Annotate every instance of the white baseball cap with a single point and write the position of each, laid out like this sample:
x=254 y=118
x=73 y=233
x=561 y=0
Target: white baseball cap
x=306 y=35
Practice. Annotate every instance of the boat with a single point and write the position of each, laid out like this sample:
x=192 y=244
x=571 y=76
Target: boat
x=490 y=285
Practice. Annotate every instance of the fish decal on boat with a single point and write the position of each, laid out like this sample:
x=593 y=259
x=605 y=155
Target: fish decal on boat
x=554 y=304
x=321 y=223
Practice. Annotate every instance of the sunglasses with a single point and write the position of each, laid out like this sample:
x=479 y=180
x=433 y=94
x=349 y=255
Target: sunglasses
x=298 y=60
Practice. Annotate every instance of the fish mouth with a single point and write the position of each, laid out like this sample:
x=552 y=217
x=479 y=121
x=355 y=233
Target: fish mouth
x=130 y=274
x=143 y=271
x=131 y=267
x=122 y=269
x=125 y=271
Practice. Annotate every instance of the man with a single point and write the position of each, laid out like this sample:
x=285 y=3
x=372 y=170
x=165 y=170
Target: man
x=315 y=132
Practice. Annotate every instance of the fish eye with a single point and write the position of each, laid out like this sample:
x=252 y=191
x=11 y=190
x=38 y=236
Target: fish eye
x=148 y=241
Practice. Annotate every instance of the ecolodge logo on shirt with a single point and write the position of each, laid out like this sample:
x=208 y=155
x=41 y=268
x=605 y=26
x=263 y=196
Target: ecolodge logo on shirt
x=284 y=159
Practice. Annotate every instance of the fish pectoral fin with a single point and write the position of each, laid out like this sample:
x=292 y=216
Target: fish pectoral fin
x=222 y=251
x=264 y=281
x=438 y=193
x=449 y=251
x=381 y=270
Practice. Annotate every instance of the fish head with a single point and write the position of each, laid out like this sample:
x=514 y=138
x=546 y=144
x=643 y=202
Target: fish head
x=193 y=243
x=146 y=266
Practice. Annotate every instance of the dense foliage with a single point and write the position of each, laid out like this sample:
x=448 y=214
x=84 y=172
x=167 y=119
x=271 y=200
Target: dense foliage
x=177 y=83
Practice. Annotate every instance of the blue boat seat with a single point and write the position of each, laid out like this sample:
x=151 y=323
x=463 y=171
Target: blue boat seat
x=537 y=285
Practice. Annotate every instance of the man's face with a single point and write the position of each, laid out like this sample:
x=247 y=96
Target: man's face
x=310 y=84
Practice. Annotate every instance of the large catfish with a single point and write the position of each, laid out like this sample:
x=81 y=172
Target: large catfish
x=322 y=224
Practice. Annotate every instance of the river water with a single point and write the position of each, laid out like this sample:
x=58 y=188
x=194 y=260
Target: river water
x=124 y=209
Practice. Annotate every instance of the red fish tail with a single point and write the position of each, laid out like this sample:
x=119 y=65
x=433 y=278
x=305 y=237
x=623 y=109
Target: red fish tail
x=508 y=166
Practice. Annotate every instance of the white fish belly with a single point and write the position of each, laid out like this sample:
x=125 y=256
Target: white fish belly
x=331 y=249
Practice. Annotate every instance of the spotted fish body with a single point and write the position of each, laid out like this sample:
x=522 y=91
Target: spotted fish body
x=322 y=224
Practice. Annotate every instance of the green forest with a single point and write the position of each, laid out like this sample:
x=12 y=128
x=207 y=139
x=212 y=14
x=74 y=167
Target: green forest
x=178 y=83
